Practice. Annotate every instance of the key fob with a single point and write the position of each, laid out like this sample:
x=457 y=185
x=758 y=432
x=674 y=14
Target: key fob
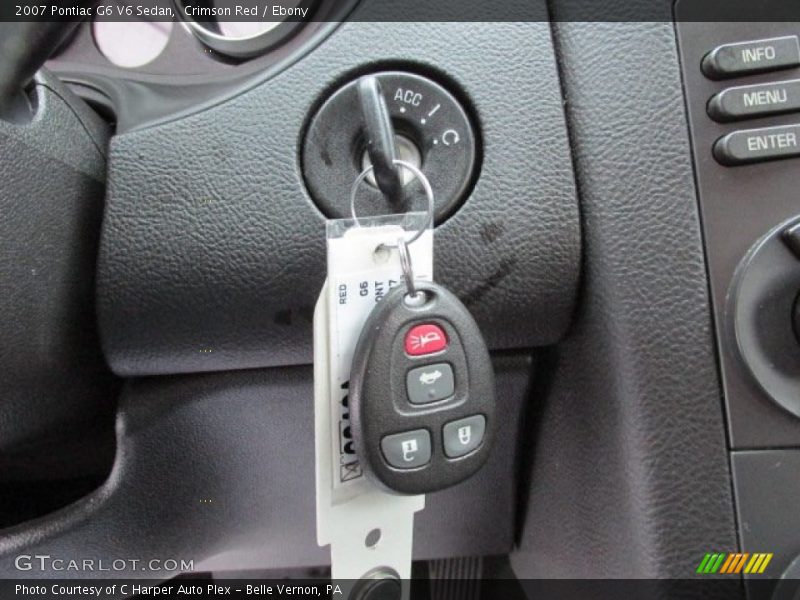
x=422 y=395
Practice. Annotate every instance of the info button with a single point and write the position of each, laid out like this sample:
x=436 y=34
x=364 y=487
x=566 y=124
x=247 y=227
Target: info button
x=756 y=56
x=756 y=145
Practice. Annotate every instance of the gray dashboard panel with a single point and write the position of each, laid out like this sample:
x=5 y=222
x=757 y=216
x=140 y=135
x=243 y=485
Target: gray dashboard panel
x=767 y=484
x=212 y=252
x=55 y=389
x=739 y=206
x=629 y=474
x=218 y=468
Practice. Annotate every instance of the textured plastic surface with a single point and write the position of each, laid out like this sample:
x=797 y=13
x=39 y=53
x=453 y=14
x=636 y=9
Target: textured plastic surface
x=739 y=206
x=629 y=463
x=379 y=398
x=56 y=394
x=767 y=485
x=219 y=469
x=213 y=253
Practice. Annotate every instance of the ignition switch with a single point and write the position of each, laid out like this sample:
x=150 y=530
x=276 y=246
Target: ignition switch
x=432 y=132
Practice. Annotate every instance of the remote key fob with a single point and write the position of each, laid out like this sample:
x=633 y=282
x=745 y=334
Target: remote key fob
x=422 y=392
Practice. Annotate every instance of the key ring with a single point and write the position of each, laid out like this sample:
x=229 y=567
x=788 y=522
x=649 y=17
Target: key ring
x=405 y=263
x=428 y=193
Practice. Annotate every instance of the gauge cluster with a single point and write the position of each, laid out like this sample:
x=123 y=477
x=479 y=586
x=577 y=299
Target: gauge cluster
x=131 y=44
x=211 y=23
x=120 y=66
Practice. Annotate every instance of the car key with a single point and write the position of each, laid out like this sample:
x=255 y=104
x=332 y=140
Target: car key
x=422 y=391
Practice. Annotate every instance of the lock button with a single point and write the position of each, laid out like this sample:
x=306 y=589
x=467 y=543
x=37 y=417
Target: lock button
x=407 y=450
x=463 y=436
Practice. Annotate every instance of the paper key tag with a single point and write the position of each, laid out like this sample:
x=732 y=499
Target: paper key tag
x=352 y=512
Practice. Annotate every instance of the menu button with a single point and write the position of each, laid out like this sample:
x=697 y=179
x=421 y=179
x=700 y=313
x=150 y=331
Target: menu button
x=748 y=101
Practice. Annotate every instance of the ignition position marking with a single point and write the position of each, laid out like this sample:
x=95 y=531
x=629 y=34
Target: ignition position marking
x=450 y=137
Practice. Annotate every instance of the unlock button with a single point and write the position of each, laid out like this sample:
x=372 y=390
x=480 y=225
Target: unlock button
x=463 y=436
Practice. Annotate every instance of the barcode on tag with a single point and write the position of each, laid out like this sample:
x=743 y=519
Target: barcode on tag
x=355 y=298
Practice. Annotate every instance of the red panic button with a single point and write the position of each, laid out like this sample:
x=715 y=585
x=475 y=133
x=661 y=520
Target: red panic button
x=425 y=339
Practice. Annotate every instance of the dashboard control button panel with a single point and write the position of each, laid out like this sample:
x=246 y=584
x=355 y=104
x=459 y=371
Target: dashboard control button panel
x=743 y=103
x=756 y=100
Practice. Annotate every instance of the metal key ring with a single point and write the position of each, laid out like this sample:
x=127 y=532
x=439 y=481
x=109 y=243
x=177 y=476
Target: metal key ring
x=425 y=184
x=405 y=264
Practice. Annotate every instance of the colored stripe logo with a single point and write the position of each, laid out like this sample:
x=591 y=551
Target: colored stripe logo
x=732 y=563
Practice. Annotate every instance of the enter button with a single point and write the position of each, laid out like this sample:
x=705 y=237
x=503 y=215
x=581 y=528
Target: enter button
x=749 y=101
x=755 y=145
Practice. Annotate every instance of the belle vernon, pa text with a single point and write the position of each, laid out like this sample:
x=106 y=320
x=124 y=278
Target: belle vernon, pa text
x=126 y=589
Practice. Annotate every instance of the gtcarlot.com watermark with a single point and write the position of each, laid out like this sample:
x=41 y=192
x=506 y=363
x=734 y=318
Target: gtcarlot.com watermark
x=45 y=562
